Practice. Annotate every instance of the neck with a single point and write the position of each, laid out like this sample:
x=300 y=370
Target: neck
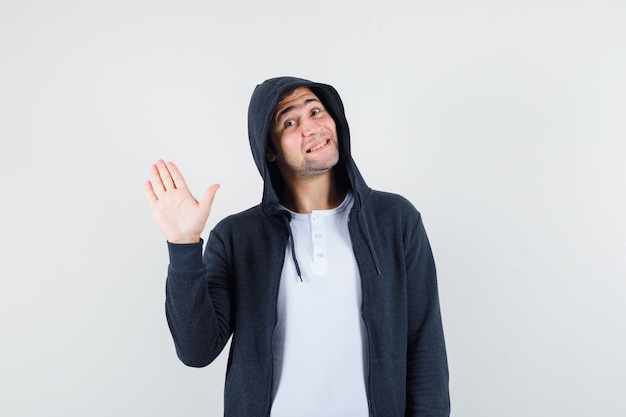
x=303 y=195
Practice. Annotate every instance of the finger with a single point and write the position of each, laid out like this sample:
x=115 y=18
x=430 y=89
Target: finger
x=209 y=196
x=152 y=197
x=157 y=183
x=166 y=176
x=177 y=177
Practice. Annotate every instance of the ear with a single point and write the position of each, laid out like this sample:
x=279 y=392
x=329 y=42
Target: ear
x=271 y=157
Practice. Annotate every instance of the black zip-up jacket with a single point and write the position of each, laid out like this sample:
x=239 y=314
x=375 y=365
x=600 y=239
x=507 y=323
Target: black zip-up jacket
x=232 y=289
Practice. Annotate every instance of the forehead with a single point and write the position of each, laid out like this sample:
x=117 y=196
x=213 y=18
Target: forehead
x=297 y=98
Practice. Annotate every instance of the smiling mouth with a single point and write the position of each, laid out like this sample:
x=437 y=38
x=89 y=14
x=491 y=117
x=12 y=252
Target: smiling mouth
x=318 y=146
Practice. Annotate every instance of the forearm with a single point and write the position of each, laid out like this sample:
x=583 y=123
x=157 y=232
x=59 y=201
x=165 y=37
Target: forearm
x=427 y=365
x=199 y=335
x=427 y=372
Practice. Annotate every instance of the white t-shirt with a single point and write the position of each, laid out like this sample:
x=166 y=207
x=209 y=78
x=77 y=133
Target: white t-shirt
x=319 y=342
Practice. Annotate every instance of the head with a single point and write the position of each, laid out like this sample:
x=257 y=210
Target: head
x=303 y=140
x=271 y=148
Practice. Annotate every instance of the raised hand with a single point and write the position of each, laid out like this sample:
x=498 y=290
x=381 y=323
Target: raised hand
x=178 y=214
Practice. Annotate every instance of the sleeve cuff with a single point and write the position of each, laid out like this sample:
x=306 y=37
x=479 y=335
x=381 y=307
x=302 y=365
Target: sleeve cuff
x=185 y=256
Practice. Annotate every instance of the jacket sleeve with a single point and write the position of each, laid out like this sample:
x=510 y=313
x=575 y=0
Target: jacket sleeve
x=198 y=301
x=427 y=367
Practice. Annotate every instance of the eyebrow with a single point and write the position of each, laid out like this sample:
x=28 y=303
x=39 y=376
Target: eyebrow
x=290 y=108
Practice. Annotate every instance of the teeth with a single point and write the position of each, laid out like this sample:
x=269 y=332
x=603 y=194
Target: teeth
x=318 y=146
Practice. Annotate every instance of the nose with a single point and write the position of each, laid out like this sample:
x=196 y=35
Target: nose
x=311 y=127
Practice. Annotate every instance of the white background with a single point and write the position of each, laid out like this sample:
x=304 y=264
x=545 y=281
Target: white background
x=502 y=121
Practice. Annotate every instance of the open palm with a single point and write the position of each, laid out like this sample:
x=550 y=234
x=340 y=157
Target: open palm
x=179 y=216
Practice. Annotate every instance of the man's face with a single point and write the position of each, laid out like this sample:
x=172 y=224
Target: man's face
x=304 y=136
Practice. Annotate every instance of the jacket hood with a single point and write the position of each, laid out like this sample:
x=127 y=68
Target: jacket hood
x=260 y=112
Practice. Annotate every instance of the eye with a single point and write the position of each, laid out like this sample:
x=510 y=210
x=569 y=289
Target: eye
x=290 y=122
x=315 y=111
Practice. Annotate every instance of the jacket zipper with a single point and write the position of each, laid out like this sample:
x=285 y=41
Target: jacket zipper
x=367 y=332
x=270 y=385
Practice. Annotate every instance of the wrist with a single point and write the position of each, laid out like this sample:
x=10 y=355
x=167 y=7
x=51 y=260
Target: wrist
x=185 y=240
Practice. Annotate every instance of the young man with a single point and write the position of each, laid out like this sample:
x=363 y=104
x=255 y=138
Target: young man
x=328 y=288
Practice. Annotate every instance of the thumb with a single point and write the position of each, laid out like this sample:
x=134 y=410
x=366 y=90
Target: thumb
x=209 y=195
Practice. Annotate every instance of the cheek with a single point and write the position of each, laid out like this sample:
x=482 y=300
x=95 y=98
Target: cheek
x=331 y=124
x=288 y=140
